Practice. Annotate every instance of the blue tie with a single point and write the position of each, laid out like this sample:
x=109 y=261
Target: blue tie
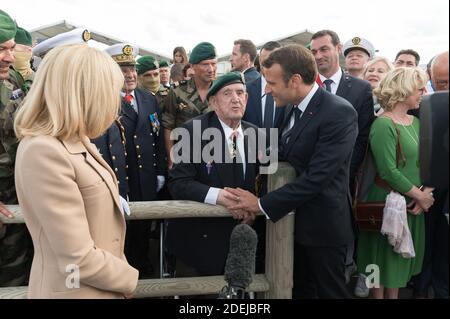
x=287 y=135
x=328 y=83
x=268 y=112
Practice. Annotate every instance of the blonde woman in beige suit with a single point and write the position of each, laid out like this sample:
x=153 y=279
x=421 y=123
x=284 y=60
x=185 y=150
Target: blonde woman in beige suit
x=67 y=192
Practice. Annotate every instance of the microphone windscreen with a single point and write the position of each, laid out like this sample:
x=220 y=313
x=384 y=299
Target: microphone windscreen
x=240 y=264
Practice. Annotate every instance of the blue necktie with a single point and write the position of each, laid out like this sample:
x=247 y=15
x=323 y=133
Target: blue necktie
x=328 y=83
x=287 y=135
x=268 y=112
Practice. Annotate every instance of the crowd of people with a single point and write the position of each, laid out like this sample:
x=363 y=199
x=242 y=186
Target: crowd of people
x=86 y=131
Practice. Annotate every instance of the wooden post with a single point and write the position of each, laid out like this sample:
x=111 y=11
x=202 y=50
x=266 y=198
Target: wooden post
x=280 y=242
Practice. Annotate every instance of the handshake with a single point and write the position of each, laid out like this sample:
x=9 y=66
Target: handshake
x=242 y=204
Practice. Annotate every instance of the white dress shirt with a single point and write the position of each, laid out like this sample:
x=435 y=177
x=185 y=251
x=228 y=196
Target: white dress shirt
x=133 y=101
x=336 y=78
x=213 y=192
x=263 y=99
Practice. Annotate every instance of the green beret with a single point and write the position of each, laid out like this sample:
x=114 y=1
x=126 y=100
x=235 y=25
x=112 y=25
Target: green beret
x=224 y=80
x=8 y=27
x=163 y=64
x=145 y=64
x=23 y=37
x=202 y=51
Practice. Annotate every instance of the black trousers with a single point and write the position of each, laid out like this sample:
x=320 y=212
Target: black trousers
x=319 y=272
x=436 y=259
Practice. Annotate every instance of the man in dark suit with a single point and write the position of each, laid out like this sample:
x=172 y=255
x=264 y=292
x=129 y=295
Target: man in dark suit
x=243 y=59
x=261 y=109
x=201 y=244
x=327 y=48
x=144 y=150
x=317 y=140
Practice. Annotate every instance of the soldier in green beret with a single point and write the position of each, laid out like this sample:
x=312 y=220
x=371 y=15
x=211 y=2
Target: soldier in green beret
x=148 y=78
x=15 y=242
x=23 y=54
x=188 y=99
x=164 y=74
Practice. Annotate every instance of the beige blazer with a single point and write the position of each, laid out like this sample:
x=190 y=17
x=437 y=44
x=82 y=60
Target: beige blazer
x=70 y=201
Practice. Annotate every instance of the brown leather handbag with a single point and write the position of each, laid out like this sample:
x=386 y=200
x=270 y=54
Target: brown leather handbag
x=369 y=215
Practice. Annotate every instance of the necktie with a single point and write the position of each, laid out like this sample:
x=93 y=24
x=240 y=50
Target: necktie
x=128 y=98
x=268 y=112
x=237 y=161
x=286 y=136
x=328 y=83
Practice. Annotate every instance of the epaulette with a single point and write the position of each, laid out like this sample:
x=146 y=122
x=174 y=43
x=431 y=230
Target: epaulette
x=178 y=83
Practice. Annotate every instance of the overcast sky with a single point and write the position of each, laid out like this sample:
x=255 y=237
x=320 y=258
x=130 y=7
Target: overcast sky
x=390 y=25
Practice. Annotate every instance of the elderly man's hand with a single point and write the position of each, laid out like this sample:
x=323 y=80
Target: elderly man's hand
x=229 y=200
x=5 y=211
x=245 y=201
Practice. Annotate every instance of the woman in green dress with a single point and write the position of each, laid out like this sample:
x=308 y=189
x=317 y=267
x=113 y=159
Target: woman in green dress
x=400 y=91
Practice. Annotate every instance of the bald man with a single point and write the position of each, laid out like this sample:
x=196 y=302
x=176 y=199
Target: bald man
x=439 y=72
x=435 y=264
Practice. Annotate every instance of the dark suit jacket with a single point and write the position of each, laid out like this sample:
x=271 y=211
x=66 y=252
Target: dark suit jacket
x=359 y=93
x=253 y=112
x=146 y=155
x=251 y=75
x=320 y=150
x=203 y=243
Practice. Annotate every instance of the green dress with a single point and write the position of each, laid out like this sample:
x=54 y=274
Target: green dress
x=374 y=248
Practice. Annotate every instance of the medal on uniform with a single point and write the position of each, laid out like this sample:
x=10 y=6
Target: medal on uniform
x=182 y=106
x=155 y=123
x=208 y=167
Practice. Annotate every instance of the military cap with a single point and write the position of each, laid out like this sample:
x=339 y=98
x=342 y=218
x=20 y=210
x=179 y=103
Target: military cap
x=79 y=35
x=146 y=63
x=361 y=44
x=224 y=80
x=163 y=64
x=23 y=37
x=202 y=51
x=8 y=27
x=123 y=53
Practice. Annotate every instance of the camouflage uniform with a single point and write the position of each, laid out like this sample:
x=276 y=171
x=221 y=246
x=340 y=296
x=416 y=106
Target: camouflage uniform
x=15 y=241
x=182 y=104
x=160 y=96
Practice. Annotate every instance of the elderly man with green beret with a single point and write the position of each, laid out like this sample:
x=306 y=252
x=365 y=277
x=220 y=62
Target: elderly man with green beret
x=15 y=243
x=205 y=241
x=148 y=78
x=188 y=99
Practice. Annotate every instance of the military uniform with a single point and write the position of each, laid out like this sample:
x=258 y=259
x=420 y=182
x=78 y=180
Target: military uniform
x=160 y=96
x=111 y=146
x=145 y=159
x=15 y=241
x=182 y=104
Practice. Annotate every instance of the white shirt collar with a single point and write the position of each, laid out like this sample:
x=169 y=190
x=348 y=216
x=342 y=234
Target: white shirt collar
x=335 y=77
x=304 y=104
x=228 y=130
x=122 y=94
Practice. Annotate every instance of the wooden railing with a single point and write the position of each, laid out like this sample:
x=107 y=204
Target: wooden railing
x=276 y=283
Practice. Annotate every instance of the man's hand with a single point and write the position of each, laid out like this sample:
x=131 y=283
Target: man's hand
x=246 y=201
x=5 y=211
x=228 y=200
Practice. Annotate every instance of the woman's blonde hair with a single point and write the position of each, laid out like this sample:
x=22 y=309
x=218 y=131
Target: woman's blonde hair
x=399 y=85
x=388 y=64
x=75 y=93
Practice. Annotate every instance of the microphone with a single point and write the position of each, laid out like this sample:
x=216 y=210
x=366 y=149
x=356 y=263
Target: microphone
x=240 y=264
